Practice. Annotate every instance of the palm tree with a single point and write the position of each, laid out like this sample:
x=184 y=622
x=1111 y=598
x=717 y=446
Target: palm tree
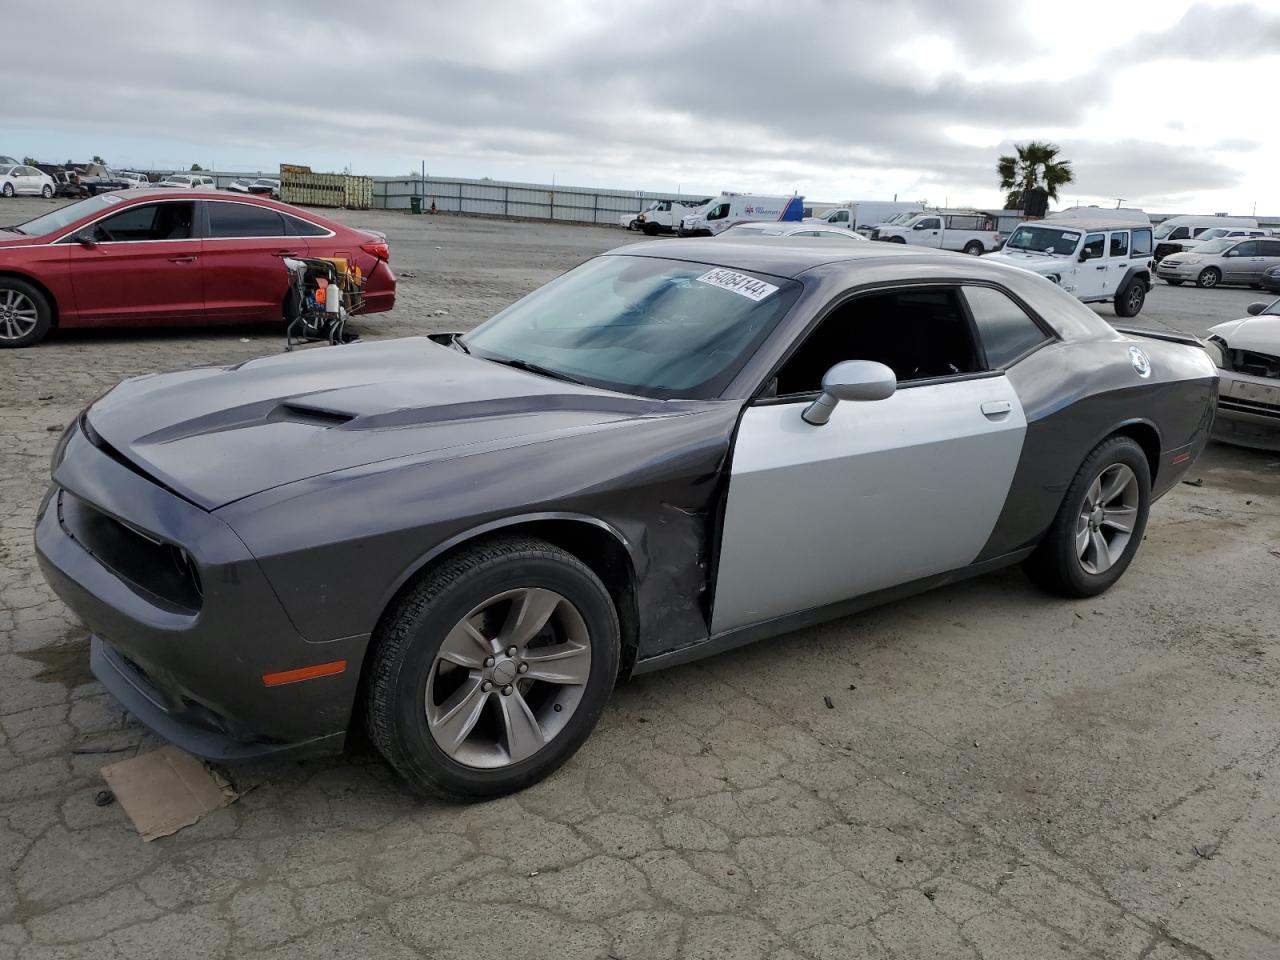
x=1036 y=165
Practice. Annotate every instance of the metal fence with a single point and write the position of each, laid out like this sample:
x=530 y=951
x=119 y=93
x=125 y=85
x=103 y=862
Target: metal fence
x=534 y=201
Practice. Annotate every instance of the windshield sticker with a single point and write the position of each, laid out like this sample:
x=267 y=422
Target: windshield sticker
x=110 y=198
x=1071 y=236
x=738 y=283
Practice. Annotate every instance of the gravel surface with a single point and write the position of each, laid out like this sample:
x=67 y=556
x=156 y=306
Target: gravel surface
x=1000 y=775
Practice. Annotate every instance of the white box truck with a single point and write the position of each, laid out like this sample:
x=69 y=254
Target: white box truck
x=729 y=209
x=662 y=216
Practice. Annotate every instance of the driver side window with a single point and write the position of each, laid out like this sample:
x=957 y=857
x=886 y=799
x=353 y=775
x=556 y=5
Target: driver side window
x=920 y=333
x=148 y=221
x=718 y=212
x=1093 y=246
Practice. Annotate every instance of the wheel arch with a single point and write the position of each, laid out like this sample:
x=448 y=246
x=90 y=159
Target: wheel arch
x=35 y=282
x=1145 y=434
x=598 y=544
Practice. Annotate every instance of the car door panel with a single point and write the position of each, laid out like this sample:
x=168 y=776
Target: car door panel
x=244 y=276
x=1091 y=273
x=135 y=280
x=816 y=515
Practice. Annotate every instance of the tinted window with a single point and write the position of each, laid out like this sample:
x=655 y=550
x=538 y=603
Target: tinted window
x=1006 y=330
x=920 y=334
x=1247 y=249
x=148 y=221
x=963 y=223
x=718 y=212
x=1141 y=243
x=244 y=220
x=1092 y=248
x=1269 y=248
x=1181 y=233
x=301 y=228
x=1120 y=244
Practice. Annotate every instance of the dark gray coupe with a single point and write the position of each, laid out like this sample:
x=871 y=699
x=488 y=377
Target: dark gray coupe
x=671 y=450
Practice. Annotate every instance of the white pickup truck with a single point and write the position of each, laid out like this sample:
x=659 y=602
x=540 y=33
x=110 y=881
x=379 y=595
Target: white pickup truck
x=970 y=231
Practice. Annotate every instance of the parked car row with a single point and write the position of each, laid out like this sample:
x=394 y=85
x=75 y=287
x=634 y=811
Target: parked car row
x=170 y=256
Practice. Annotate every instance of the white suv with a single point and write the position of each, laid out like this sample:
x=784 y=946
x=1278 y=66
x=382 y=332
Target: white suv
x=1096 y=260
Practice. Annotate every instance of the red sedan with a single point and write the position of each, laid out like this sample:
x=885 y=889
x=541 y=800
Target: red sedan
x=153 y=257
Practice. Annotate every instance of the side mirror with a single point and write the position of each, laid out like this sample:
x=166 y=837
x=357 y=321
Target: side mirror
x=1257 y=308
x=850 y=380
x=85 y=239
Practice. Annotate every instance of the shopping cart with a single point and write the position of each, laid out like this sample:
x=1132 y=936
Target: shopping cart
x=326 y=291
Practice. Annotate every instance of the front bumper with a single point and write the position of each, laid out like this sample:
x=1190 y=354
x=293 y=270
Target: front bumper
x=1179 y=271
x=1248 y=411
x=191 y=664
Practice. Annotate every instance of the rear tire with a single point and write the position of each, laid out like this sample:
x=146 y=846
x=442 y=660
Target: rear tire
x=25 y=313
x=1066 y=561
x=1130 y=300
x=47 y=192
x=423 y=641
x=1209 y=278
x=973 y=248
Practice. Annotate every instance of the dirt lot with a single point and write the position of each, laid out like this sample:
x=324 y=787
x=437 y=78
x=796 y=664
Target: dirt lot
x=1002 y=775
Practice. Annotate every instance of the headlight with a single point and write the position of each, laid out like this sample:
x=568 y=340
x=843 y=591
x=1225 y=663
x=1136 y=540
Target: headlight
x=1191 y=258
x=1053 y=278
x=1216 y=347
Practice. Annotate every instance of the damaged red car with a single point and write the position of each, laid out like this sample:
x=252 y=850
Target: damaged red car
x=171 y=258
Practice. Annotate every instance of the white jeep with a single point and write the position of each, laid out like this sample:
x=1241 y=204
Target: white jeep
x=1097 y=260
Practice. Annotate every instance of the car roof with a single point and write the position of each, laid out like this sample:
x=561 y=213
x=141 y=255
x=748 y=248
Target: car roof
x=1088 y=223
x=784 y=256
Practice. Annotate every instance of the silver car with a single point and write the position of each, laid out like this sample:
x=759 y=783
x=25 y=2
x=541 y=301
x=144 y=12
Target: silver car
x=1222 y=261
x=1247 y=352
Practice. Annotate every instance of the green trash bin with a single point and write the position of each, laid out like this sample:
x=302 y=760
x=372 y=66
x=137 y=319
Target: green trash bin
x=415 y=204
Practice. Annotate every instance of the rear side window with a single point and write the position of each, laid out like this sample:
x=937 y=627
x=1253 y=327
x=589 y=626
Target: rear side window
x=228 y=220
x=1120 y=244
x=1006 y=331
x=1270 y=248
x=962 y=223
x=1141 y=243
x=301 y=228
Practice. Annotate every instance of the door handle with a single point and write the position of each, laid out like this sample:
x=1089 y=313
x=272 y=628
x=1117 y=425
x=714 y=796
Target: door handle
x=191 y=259
x=1099 y=268
x=996 y=409
x=285 y=253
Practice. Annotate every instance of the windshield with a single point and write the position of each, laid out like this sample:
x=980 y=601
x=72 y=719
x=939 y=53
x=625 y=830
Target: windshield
x=1272 y=311
x=643 y=325
x=1043 y=240
x=1216 y=246
x=1215 y=234
x=69 y=214
x=1165 y=229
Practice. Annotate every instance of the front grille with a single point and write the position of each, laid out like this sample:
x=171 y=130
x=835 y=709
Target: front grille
x=1255 y=407
x=162 y=570
x=1166 y=249
x=1254 y=364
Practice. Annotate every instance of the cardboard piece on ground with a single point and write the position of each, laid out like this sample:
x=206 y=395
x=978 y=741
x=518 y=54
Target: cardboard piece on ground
x=166 y=790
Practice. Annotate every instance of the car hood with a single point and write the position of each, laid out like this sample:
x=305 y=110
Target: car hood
x=218 y=435
x=1258 y=334
x=1028 y=260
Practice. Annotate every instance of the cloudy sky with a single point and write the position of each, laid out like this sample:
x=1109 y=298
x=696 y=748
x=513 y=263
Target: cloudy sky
x=1166 y=104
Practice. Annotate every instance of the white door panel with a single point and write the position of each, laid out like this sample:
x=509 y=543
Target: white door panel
x=887 y=492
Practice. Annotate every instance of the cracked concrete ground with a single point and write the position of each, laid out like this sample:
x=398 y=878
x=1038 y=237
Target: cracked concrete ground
x=1002 y=774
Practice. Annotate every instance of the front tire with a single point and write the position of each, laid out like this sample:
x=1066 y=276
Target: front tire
x=897 y=240
x=1209 y=277
x=650 y=229
x=1131 y=298
x=493 y=670
x=1174 y=283
x=25 y=313
x=8 y=191
x=1100 y=524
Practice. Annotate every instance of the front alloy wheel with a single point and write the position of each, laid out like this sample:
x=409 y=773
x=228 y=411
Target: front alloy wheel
x=508 y=678
x=493 y=669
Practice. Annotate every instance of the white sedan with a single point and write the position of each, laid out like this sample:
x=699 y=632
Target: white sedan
x=21 y=179
x=1247 y=352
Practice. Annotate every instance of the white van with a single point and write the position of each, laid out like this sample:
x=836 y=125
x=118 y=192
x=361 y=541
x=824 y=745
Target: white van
x=971 y=231
x=732 y=208
x=1171 y=232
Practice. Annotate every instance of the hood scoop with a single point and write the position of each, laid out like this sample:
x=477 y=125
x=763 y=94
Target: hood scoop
x=314 y=416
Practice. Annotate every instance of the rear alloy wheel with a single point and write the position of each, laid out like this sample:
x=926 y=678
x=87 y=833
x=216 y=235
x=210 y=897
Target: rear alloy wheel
x=1130 y=300
x=25 y=314
x=1209 y=277
x=1099 y=525
x=973 y=248
x=47 y=192
x=493 y=671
